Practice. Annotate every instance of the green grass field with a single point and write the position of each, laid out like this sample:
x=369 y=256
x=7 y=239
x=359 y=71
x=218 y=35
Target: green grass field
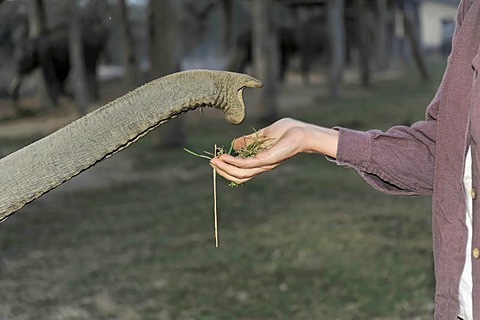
x=308 y=241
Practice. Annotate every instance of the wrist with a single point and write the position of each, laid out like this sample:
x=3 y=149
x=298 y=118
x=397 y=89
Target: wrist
x=321 y=140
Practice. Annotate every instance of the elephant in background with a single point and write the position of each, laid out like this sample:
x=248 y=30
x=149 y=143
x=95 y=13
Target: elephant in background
x=308 y=41
x=50 y=52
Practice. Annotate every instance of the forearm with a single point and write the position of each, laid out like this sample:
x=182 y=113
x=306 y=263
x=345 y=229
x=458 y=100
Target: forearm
x=321 y=140
x=399 y=161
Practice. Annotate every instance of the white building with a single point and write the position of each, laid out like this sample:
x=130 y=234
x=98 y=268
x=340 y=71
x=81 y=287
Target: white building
x=437 y=23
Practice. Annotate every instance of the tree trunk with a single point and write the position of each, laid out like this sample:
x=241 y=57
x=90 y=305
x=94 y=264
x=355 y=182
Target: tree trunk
x=381 y=35
x=336 y=24
x=265 y=57
x=226 y=27
x=77 y=61
x=363 y=45
x=414 y=42
x=37 y=20
x=164 y=41
x=164 y=58
x=131 y=76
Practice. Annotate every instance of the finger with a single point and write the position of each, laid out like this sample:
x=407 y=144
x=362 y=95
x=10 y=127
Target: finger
x=228 y=176
x=265 y=158
x=237 y=177
x=241 y=163
x=243 y=141
x=238 y=172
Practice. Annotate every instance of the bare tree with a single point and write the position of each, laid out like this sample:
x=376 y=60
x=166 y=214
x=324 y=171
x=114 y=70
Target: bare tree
x=164 y=41
x=362 y=42
x=413 y=40
x=194 y=19
x=37 y=21
x=39 y=18
x=265 y=56
x=227 y=26
x=381 y=55
x=335 y=18
x=164 y=56
x=77 y=60
x=131 y=75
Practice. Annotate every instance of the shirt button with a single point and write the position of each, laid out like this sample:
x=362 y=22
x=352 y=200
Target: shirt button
x=476 y=253
x=474 y=194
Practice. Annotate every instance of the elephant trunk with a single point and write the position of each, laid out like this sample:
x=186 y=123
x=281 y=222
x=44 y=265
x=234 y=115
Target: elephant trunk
x=38 y=168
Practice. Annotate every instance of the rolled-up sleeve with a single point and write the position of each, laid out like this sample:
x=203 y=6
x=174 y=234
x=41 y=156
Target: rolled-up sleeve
x=399 y=161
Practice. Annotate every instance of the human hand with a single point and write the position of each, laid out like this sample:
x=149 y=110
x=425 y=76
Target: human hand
x=284 y=138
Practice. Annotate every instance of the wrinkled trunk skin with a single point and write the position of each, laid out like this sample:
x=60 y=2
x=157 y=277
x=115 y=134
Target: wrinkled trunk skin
x=38 y=168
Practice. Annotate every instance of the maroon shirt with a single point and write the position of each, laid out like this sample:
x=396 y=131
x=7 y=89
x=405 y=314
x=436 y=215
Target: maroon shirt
x=428 y=159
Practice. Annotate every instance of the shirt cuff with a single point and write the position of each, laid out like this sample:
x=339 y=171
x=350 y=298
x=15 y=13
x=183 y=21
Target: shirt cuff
x=353 y=149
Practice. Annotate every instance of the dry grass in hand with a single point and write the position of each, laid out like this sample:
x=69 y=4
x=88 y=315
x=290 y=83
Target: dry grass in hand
x=253 y=145
x=257 y=144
